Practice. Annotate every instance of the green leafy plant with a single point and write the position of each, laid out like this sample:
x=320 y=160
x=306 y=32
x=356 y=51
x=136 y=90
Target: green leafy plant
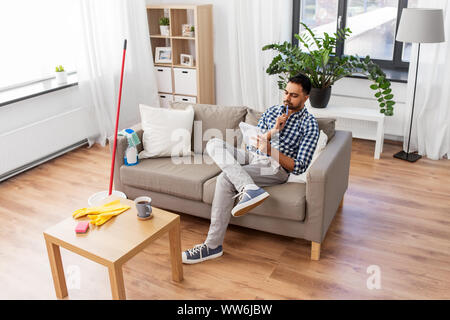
x=59 y=68
x=324 y=68
x=192 y=29
x=164 y=21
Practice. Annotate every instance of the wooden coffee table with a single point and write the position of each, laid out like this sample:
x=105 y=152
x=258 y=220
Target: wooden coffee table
x=113 y=243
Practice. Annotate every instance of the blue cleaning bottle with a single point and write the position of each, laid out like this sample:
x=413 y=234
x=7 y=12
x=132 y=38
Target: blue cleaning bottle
x=131 y=154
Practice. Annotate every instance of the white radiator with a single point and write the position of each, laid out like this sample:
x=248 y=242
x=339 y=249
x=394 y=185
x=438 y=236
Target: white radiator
x=31 y=144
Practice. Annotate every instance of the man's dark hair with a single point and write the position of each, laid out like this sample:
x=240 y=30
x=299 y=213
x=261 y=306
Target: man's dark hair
x=302 y=80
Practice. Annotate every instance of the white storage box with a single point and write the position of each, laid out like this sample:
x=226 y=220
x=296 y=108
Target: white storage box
x=165 y=99
x=185 y=81
x=185 y=99
x=164 y=78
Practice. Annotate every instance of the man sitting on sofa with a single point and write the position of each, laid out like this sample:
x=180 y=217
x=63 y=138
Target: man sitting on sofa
x=289 y=138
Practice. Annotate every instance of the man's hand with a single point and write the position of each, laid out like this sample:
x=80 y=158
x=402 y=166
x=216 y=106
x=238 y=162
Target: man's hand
x=263 y=144
x=280 y=123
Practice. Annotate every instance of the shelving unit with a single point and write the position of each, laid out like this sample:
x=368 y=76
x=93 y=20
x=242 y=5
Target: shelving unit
x=177 y=82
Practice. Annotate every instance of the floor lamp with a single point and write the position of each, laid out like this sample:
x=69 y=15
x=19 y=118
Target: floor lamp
x=420 y=26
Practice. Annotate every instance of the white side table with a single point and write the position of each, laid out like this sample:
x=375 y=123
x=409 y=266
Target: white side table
x=356 y=113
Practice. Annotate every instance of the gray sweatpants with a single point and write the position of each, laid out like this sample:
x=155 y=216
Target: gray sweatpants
x=239 y=168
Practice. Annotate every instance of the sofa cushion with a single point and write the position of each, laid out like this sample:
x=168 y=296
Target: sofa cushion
x=214 y=117
x=253 y=116
x=184 y=180
x=291 y=197
x=325 y=124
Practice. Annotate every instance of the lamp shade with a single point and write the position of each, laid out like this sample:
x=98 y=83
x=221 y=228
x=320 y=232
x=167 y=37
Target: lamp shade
x=421 y=25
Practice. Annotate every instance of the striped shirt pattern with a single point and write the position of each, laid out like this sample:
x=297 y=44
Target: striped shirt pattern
x=297 y=140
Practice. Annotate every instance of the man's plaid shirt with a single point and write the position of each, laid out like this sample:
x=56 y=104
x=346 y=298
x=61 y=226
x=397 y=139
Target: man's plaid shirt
x=297 y=140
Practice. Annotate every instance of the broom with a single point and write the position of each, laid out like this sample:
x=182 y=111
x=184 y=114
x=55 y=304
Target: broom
x=102 y=194
x=117 y=119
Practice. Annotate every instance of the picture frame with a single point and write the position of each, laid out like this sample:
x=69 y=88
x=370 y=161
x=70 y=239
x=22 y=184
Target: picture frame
x=186 y=30
x=163 y=55
x=186 y=60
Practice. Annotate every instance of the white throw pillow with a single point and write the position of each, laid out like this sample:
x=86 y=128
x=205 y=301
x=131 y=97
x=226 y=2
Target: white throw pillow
x=167 y=132
x=321 y=143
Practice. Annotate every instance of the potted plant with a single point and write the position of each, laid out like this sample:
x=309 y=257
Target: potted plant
x=324 y=68
x=192 y=31
x=164 y=26
x=61 y=75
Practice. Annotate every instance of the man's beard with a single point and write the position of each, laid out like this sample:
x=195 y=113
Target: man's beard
x=298 y=107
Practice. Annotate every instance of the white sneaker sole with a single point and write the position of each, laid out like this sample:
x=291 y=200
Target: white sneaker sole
x=193 y=261
x=241 y=209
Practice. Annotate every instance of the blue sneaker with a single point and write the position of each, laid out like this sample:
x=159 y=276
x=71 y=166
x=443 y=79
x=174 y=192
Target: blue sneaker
x=251 y=196
x=201 y=252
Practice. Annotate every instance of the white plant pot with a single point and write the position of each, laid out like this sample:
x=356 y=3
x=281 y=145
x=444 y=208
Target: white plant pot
x=164 y=30
x=61 y=77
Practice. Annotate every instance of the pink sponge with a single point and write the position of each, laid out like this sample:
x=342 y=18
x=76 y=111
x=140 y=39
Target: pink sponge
x=82 y=227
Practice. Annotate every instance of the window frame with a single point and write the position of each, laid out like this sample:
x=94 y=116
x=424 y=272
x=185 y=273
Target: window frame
x=395 y=63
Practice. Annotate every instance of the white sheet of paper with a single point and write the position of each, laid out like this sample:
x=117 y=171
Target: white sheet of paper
x=249 y=133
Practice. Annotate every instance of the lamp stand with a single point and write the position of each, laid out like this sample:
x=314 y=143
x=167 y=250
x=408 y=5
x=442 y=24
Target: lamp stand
x=411 y=157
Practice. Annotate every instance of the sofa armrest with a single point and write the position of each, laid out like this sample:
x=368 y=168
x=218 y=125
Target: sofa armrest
x=120 y=151
x=326 y=183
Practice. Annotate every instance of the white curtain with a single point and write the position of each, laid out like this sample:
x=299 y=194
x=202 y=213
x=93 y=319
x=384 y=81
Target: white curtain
x=105 y=25
x=253 y=24
x=430 y=134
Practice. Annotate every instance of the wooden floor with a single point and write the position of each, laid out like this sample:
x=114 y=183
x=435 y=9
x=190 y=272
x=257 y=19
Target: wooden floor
x=396 y=216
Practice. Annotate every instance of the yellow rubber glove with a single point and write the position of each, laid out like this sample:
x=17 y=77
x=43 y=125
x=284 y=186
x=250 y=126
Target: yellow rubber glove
x=100 y=214
x=84 y=211
x=108 y=214
x=98 y=221
x=101 y=218
x=97 y=209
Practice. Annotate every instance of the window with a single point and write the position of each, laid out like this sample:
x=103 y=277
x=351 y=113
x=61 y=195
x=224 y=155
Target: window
x=373 y=28
x=320 y=16
x=36 y=36
x=373 y=24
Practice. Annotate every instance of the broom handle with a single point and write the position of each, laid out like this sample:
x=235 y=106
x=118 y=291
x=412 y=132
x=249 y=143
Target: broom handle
x=117 y=120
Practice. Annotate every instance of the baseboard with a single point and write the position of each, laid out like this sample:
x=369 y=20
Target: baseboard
x=393 y=137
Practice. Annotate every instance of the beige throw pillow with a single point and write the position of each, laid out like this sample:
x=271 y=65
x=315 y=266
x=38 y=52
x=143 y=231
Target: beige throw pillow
x=214 y=121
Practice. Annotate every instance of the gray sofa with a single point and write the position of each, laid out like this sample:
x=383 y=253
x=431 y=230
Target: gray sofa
x=299 y=210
